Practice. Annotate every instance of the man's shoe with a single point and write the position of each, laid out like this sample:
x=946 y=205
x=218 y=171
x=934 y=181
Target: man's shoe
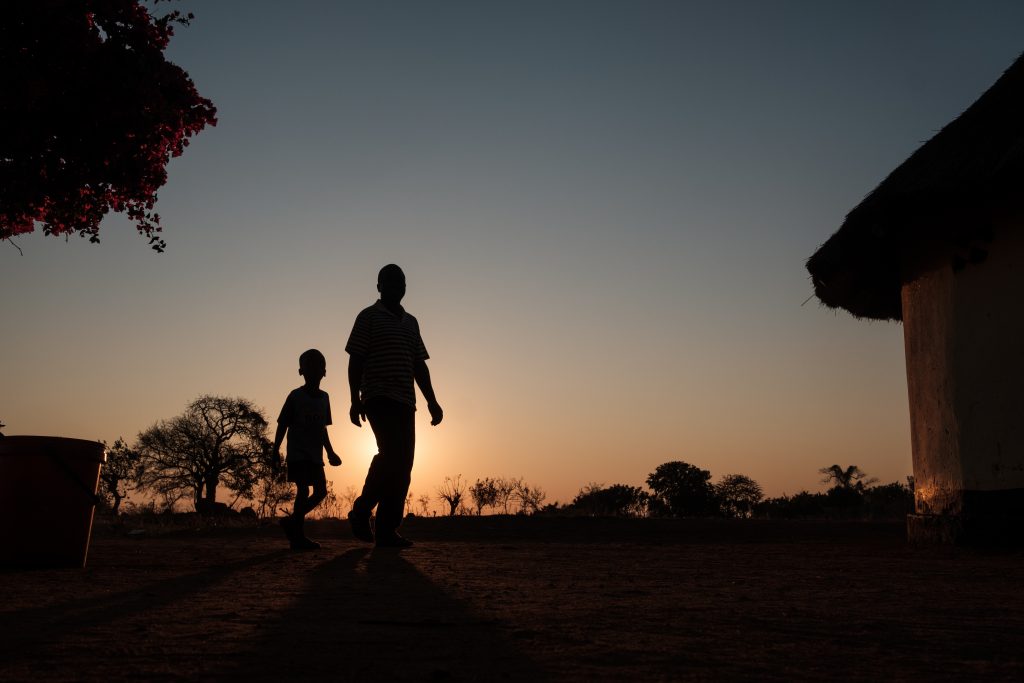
x=305 y=544
x=360 y=526
x=291 y=529
x=394 y=541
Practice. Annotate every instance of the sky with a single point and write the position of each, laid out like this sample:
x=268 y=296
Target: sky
x=603 y=210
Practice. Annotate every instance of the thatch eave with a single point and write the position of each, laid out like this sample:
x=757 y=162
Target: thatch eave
x=943 y=197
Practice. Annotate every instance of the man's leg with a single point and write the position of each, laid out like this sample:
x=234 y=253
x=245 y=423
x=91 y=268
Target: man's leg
x=370 y=495
x=396 y=436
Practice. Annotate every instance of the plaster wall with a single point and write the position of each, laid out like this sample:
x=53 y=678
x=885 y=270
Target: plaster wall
x=934 y=432
x=964 y=339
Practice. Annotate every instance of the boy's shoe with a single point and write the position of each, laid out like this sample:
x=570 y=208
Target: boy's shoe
x=304 y=543
x=360 y=526
x=394 y=540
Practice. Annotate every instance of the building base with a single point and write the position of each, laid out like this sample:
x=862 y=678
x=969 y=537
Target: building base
x=966 y=530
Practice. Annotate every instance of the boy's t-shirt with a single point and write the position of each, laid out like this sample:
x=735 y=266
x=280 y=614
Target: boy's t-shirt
x=306 y=415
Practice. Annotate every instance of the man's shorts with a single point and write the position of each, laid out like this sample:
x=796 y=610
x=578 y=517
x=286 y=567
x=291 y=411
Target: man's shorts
x=306 y=473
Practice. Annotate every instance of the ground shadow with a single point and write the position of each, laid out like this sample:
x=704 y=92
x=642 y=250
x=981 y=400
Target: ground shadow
x=33 y=633
x=371 y=615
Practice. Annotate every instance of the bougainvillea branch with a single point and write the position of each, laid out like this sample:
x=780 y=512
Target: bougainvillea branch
x=92 y=113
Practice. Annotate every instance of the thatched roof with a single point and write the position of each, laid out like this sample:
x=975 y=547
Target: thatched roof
x=944 y=195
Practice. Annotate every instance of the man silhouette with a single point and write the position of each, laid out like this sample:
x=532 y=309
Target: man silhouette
x=386 y=355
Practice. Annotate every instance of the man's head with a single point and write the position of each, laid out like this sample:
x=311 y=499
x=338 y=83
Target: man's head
x=312 y=365
x=391 y=284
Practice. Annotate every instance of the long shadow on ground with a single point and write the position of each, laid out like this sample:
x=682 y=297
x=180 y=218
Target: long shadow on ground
x=370 y=615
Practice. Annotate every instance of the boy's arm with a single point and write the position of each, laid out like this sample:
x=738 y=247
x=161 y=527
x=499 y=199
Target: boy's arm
x=355 y=378
x=278 y=438
x=332 y=457
x=422 y=375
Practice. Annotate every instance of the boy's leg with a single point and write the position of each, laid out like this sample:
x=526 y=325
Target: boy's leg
x=319 y=483
x=293 y=524
x=301 y=505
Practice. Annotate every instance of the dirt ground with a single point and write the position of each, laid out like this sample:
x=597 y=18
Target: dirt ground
x=521 y=599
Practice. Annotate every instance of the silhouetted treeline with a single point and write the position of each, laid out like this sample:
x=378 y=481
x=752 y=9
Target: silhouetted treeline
x=679 y=489
x=886 y=501
x=173 y=461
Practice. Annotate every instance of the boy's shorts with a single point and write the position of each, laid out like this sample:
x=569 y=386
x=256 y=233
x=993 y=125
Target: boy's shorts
x=304 y=472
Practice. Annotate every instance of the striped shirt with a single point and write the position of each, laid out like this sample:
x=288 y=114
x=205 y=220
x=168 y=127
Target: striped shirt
x=391 y=345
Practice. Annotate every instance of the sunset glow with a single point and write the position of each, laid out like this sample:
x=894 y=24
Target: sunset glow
x=603 y=211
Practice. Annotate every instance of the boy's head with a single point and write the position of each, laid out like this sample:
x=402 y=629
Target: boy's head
x=312 y=365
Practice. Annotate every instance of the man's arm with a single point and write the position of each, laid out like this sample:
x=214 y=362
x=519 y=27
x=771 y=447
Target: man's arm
x=355 y=377
x=422 y=375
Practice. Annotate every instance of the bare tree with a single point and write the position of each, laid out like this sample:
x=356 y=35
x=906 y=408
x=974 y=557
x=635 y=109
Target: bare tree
x=452 y=492
x=271 y=490
x=216 y=440
x=424 y=501
x=506 y=490
x=119 y=473
x=330 y=508
x=852 y=478
x=530 y=497
x=348 y=498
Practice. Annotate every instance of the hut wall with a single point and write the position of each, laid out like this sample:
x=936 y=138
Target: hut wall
x=934 y=432
x=964 y=338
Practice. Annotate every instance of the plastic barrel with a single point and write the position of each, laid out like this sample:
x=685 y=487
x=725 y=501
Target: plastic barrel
x=47 y=499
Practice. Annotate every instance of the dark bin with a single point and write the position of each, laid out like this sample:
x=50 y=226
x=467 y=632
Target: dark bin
x=47 y=499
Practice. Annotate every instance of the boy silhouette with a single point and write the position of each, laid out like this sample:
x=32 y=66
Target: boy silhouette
x=304 y=417
x=386 y=355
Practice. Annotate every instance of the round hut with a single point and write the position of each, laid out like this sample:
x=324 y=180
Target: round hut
x=939 y=245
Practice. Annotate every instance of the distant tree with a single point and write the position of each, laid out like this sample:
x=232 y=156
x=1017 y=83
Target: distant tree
x=851 y=478
x=737 y=495
x=424 y=502
x=348 y=498
x=506 y=489
x=330 y=508
x=845 y=497
x=452 y=491
x=119 y=474
x=271 y=490
x=617 y=500
x=92 y=113
x=530 y=498
x=685 y=489
x=484 y=494
x=217 y=440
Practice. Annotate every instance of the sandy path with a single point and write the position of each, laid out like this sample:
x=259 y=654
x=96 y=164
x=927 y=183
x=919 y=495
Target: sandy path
x=522 y=600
